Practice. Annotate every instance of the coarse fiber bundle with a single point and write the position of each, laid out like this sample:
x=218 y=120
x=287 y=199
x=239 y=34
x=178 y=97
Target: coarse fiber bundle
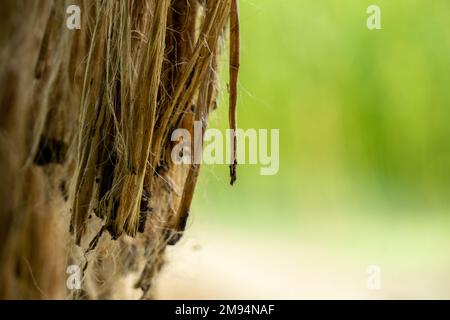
x=85 y=148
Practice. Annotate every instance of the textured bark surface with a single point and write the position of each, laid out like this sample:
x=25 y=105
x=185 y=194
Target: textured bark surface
x=86 y=118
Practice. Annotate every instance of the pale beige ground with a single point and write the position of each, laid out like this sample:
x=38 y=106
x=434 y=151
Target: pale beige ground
x=217 y=263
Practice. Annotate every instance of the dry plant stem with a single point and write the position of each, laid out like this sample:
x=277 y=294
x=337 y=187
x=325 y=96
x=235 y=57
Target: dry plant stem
x=203 y=107
x=191 y=74
x=234 y=74
x=146 y=103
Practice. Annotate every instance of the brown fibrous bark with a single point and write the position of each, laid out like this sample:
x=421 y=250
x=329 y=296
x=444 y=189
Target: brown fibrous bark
x=87 y=115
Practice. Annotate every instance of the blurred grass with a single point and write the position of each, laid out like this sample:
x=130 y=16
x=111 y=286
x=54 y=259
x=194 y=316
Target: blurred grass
x=363 y=118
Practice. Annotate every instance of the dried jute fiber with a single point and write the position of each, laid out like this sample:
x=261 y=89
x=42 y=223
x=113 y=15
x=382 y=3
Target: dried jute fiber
x=85 y=126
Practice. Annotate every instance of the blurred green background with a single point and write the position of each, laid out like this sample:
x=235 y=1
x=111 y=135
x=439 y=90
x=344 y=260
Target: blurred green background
x=364 y=138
